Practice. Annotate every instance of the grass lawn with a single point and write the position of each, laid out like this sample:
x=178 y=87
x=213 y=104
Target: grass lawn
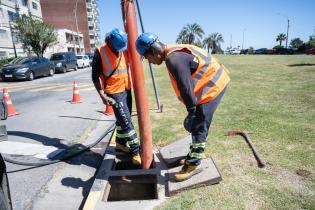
x=274 y=96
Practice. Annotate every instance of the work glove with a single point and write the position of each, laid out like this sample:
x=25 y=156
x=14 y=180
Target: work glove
x=188 y=122
x=108 y=100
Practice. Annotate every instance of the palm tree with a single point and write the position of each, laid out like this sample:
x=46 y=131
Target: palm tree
x=281 y=37
x=190 y=34
x=213 y=41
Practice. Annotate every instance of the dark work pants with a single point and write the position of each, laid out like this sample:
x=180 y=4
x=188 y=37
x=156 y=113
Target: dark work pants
x=126 y=134
x=200 y=128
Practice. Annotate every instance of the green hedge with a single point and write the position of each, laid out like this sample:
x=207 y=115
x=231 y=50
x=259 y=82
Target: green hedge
x=4 y=61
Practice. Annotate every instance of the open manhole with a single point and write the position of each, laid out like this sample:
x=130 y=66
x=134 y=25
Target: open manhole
x=128 y=188
x=123 y=162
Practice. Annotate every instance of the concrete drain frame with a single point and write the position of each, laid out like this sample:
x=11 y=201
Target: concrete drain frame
x=117 y=187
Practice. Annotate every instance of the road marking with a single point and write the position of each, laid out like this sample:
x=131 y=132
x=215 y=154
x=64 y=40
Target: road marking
x=29 y=149
x=49 y=87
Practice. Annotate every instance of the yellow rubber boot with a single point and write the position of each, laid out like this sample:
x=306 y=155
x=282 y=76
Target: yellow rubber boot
x=187 y=172
x=136 y=160
x=122 y=148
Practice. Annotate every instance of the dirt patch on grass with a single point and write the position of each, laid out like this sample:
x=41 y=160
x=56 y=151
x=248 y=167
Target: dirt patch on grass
x=303 y=173
x=291 y=180
x=253 y=201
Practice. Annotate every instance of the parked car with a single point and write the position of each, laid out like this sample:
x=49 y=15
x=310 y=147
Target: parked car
x=261 y=51
x=283 y=51
x=83 y=61
x=244 y=52
x=310 y=51
x=271 y=52
x=27 y=68
x=90 y=57
x=64 y=61
x=235 y=51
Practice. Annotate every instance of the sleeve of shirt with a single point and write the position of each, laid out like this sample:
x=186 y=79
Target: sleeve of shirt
x=179 y=65
x=96 y=66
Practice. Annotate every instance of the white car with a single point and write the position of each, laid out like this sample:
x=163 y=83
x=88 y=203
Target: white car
x=83 y=61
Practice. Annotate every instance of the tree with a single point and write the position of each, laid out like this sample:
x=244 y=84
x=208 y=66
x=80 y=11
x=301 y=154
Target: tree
x=281 y=37
x=213 y=41
x=190 y=34
x=296 y=43
x=311 y=42
x=34 y=34
x=250 y=50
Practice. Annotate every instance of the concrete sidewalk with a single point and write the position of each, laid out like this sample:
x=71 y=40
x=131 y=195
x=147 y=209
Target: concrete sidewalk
x=72 y=181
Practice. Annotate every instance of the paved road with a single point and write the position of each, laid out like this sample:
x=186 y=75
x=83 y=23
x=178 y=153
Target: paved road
x=48 y=123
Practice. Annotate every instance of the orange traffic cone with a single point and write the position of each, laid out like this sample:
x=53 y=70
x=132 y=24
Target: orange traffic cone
x=8 y=103
x=109 y=110
x=76 y=94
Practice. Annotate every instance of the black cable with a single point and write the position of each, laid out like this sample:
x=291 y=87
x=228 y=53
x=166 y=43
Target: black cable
x=66 y=157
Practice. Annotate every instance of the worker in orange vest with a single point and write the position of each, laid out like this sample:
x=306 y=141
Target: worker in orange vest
x=199 y=81
x=111 y=79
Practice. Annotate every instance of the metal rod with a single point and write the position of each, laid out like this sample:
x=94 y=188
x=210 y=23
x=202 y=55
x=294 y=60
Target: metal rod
x=137 y=75
x=150 y=65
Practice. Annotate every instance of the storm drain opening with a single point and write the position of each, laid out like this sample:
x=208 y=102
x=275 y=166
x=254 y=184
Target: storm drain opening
x=129 y=188
x=123 y=162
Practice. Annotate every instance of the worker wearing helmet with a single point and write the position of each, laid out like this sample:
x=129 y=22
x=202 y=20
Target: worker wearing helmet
x=199 y=82
x=111 y=79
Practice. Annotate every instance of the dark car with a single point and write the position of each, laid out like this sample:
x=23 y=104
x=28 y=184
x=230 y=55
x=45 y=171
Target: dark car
x=283 y=51
x=261 y=51
x=310 y=51
x=271 y=51
x=244 y=52
x=27 y=68
x=64 y=61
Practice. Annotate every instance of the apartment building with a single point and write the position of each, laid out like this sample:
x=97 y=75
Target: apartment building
x=75 y=15
x=68 y=41
x=9 y=11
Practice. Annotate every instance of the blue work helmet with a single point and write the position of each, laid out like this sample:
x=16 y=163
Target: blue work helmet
x=144 y=42
x=118 y=39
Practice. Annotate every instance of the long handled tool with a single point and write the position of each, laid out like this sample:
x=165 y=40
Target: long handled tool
x=159 y=105
x=246 y=135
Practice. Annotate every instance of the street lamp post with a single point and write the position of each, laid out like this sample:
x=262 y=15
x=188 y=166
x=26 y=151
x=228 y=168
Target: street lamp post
x=243 y=38
x=288 y=26
x=76 y=22
x=286 y=42
x=13 y=42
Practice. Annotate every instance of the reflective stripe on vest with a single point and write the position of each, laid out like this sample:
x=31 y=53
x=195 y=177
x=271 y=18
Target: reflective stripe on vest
x=208 y=75
x=207 y=60
x=115 y=73
x=109 y=67
x=210 y=84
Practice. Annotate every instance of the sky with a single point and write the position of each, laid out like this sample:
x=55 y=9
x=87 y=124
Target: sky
x=260 y=20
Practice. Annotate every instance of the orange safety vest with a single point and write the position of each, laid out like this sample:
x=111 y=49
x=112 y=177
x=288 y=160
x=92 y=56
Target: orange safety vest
x=115 y=71
x=209 y=79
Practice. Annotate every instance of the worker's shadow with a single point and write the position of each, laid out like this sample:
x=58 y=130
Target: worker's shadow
x=77 y=183
x=90 y=159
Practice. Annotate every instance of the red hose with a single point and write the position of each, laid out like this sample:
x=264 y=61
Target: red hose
x=137 y=75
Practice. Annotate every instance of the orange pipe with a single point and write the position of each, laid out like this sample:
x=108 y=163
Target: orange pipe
x=137 y=75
